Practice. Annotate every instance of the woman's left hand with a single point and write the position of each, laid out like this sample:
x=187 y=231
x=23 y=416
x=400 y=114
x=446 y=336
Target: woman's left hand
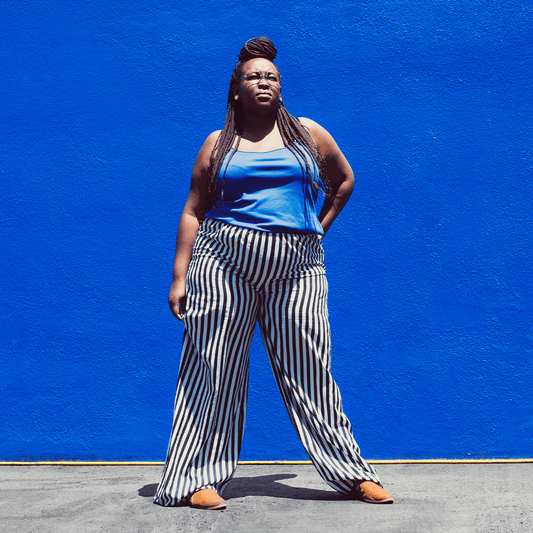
x=338 y=170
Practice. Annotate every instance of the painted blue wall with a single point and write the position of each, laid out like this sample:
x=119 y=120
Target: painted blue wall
x=103 y=106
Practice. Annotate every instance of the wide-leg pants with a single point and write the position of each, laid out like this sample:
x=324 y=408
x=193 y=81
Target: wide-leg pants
x=237 y=277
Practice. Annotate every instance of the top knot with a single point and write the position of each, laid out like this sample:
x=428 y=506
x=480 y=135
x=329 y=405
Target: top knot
x=258 y=47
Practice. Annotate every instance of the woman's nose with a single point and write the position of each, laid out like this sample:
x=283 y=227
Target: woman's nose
x=263 y=82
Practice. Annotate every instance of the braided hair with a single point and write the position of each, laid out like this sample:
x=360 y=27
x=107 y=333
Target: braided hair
x=295 y=137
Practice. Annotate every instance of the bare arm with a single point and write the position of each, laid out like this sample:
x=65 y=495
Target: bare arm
x=338 y=170
x=188 y=227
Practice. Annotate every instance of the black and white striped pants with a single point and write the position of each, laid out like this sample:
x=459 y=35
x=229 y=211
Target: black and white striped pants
x=236 y=277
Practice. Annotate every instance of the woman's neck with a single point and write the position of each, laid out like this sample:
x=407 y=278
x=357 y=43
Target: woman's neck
x=261 y=134
x=257 y=126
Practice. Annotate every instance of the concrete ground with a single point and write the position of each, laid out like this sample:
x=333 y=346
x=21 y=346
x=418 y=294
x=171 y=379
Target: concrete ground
x=450 y=498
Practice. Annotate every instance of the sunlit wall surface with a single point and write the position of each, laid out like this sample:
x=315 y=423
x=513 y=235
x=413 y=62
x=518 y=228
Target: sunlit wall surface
x=103 y=107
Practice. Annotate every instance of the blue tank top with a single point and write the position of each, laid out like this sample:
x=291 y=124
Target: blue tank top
x=267 y=191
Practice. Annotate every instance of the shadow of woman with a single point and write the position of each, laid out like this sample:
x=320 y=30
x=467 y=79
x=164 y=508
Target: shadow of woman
x=268 y=486
x=148 y=491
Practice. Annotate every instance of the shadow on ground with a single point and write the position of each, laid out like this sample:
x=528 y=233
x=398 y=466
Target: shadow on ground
x=266 y=486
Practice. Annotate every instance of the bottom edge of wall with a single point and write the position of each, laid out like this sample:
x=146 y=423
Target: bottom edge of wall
x=161 y=463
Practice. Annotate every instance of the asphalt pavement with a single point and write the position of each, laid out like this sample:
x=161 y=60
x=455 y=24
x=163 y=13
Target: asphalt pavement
x=449 y=498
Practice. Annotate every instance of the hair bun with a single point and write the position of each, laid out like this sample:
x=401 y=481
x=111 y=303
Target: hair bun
x=258 y=47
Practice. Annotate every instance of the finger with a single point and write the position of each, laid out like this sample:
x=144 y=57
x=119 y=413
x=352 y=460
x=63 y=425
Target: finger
x=174 y=309
x=180 y=311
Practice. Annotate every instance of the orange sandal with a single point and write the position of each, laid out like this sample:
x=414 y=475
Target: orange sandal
x=207 y=499
x=370 y=492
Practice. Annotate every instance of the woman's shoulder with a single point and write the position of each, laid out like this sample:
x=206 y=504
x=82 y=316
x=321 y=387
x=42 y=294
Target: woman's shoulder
x=212 y=139
x=321 y=137
x=204 y=155
x=208 y=146
x=308 y=123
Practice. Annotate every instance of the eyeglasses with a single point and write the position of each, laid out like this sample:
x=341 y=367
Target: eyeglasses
x=255 y=77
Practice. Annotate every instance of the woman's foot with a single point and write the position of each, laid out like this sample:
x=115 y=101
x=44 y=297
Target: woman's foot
x=207 y=499
x=370 y=492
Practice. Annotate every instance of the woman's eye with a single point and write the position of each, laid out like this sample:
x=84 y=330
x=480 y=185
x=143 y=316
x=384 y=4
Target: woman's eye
x=272 y=77
x=253 y=76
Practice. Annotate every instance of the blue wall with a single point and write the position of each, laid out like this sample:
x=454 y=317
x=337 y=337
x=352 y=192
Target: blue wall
x=103 y=106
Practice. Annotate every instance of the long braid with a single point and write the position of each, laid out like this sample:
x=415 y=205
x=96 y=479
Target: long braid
x=295 y=137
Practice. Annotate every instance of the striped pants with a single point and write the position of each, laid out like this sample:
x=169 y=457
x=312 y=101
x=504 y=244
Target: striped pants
x=237 y=277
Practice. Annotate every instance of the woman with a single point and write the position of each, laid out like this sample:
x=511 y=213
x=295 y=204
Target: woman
x=249 y=249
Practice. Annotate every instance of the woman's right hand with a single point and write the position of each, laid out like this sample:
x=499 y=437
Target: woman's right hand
x=177 y=299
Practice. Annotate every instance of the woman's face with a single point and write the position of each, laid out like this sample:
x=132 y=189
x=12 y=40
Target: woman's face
x=259 y=87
